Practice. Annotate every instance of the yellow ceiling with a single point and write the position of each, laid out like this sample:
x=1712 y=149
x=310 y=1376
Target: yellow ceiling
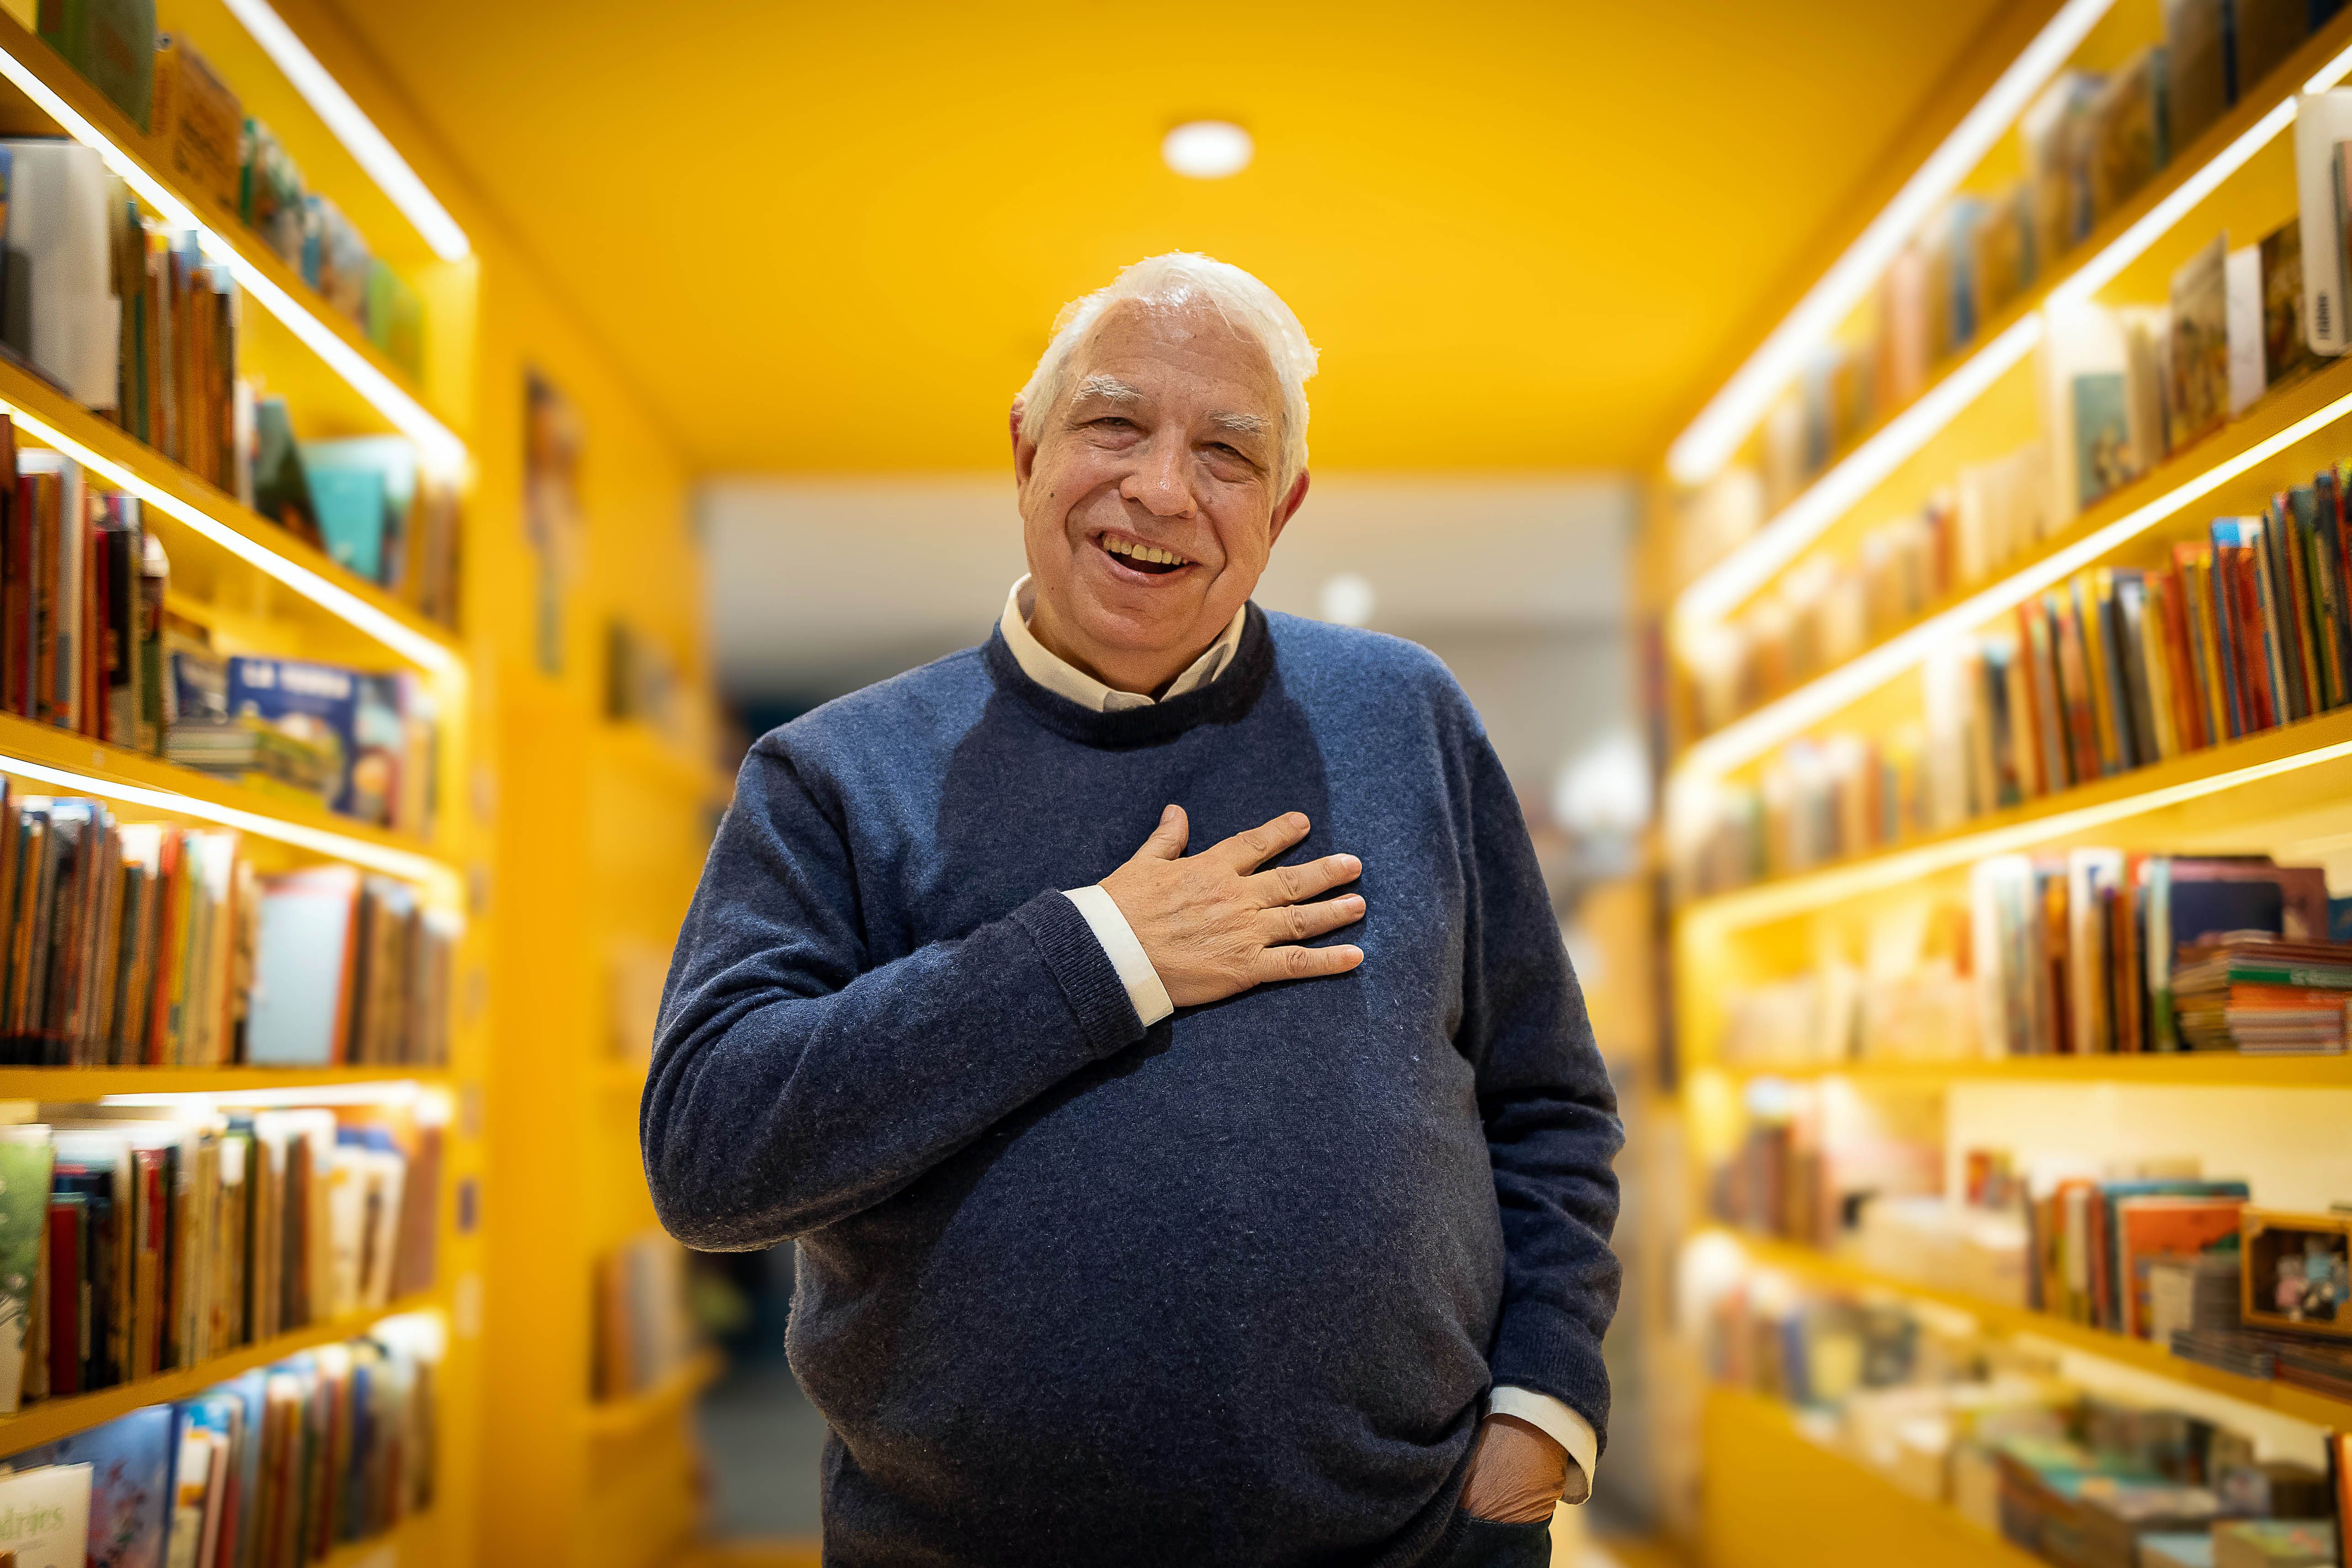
x=831 y=239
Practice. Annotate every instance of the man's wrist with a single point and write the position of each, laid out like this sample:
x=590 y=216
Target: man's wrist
x=1126 y=954
x=1555 y=1420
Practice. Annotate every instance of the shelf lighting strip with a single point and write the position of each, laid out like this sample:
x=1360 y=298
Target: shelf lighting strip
x=380 y=1091
x=1722 y=588
x=402 y=863
x=333 y=597
x=437 y=445
x=1746 y=738
x=1733 y=412
x=1816 y=889
x=351 y=126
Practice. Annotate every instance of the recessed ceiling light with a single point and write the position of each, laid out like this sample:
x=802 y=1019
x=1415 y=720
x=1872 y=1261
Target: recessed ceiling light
x=1208 y=148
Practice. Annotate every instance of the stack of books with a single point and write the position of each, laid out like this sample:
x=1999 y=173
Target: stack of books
x=2248 y=991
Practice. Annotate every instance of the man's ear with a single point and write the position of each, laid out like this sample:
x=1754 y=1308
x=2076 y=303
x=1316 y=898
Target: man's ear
x=1288 y=508
x=1024 y=453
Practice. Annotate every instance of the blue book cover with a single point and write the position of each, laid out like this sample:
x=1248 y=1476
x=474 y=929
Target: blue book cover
x=129 y=1461
x=364 y=486
x=302 y=952
x=315 y=703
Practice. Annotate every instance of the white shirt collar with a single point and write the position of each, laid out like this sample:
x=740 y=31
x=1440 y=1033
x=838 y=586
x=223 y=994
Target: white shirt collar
x=1062 y=678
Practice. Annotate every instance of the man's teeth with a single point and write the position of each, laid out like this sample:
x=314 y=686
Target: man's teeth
x=1147 y=553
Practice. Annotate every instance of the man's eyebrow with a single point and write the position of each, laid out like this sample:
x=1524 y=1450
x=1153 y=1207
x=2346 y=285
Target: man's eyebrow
x=1240 y=423
x=1107 y=389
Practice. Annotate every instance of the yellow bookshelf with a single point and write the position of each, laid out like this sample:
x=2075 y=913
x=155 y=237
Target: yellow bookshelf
x=1769 y=1492
x=1775 y=1498
x=261 y=590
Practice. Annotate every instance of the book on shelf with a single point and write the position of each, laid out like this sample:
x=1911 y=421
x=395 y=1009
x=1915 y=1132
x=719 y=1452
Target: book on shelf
x=110 y=42
x=172 y=1242
x=45 y=1516
x=142 y=944
x=274 y=1467
x=2119 y=668
x=644 y=1331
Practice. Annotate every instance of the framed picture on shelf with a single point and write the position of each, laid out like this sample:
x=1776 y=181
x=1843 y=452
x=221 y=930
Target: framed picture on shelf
x=2298 y=1272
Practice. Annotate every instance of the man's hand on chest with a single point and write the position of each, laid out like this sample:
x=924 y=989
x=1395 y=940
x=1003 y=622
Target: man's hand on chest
x=1214 y=925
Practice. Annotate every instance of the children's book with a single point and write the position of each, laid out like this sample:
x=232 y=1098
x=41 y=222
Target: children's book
x=25 y=1165
x=45 y=1516
x=130 y=1463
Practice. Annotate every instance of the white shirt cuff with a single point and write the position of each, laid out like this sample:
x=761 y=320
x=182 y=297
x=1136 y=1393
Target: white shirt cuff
x=1126 y=954
x=1556 y=1421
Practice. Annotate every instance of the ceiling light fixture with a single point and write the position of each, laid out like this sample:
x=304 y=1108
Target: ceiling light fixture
x=1736 y=409
x=1208 y=148
x=354 y=130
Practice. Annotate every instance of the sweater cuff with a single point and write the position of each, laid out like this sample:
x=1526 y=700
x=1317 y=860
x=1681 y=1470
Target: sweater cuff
x=1089 y=981
x=1542 y=1349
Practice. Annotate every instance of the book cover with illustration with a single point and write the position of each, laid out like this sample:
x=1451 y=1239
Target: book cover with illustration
x=2200 y=396
x=313 y=707
x=2285 y=352
x=130 y=1463
x=25 y=1164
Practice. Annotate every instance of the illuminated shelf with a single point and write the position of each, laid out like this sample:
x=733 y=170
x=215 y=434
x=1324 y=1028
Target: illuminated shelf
x=78 y=1085
x=55 y=1418
x=2260 y=115
x=2285 y=1398
x=89 y=117
x=2247 y=1068
x=183 y=498
x=618 y=1418
x=2291 y=415
x=2283 y=754
x=1780 y=1498
x=70 y=764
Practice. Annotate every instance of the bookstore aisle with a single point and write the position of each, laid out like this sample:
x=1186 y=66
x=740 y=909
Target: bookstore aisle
x=354 y=768
x=2000 y=601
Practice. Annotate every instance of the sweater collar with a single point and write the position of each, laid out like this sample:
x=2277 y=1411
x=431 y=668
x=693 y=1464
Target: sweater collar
x=1222 y=700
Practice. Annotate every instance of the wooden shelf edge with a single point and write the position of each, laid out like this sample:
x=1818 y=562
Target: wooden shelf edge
x=22 y=389
x=24 y=741
x=55 y=1418
x=2286 y=80
x=2218 y=1067
x=2141 y=1355
x=612 y=1418
x=1778 y=896
x=60 y=77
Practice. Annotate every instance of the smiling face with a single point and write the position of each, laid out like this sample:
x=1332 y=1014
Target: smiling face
x=1148 y=498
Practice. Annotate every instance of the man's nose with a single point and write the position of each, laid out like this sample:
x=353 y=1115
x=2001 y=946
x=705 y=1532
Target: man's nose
x=1161 y=482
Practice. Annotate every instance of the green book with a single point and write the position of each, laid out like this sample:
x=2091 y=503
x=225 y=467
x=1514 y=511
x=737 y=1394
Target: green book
x=112 y=44
x=25 y=1167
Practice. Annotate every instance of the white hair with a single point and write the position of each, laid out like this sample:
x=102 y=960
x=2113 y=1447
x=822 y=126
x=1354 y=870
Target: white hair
x=1178 y=278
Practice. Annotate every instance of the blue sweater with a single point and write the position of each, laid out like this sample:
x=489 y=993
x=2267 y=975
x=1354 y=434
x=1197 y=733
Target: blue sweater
x=1229 y=1289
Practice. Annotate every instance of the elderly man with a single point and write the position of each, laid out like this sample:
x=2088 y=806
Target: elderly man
x=1140 y=1221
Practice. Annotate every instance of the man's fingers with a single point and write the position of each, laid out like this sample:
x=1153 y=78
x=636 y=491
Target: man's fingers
x=1296 y=922
x=1288 y=884
x=1167 y=841
x=1247 y=850
x=1305 y=963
